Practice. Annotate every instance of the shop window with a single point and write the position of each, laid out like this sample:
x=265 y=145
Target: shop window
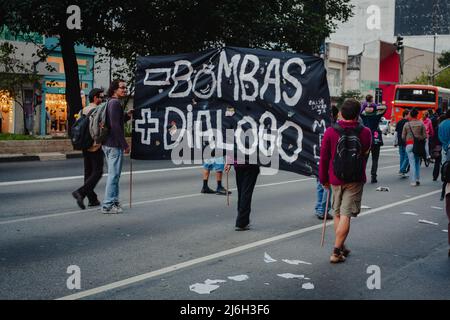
x=6 y=112
x=56 y=106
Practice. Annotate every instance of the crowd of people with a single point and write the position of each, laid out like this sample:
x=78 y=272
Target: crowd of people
x=346 y=146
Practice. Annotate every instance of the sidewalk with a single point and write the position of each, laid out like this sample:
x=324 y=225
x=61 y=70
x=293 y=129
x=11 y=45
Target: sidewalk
x=43 y=156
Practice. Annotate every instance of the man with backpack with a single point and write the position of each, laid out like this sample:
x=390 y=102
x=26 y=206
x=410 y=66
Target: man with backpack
x=115 y=145
x=93 y=158
x=404 y=162
x=342 y=165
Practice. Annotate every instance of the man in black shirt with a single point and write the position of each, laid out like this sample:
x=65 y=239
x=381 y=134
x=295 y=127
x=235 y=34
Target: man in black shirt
x=402 y=145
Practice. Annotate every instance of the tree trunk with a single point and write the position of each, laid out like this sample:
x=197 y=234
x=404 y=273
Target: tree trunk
x=73 y=90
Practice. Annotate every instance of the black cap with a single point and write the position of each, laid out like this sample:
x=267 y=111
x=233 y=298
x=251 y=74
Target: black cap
x=93 y=93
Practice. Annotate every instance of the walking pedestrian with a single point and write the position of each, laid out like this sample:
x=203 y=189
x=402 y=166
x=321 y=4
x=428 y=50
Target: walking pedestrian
x=115 y=145
x=404 y=162
x=371 y=115
x=414 y=132
x=346 y=178
x=321 y=193
x=93 y=160
x=246 y=176
x=217 y=164
x=430 y=132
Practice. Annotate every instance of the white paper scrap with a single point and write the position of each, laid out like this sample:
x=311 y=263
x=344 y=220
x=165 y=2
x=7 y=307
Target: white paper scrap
x=365 y=207
x=445 y=231
x=202 y=288
x=409 y=213
x=428 y=222
x=268 y=259
x=241 y=277
x=308 y=286
x=437 y=208
x=296 y=261
x=209 y=281
x=291 y=276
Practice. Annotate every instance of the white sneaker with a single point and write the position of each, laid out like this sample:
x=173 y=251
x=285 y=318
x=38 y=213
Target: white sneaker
x=116 y=208
x=413 y=184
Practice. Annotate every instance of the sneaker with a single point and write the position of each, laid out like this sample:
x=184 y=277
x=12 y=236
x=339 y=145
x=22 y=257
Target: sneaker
x=413 y=184
x=345 y=251
x=329 y=217
x=247 y=227
x=374 y=180
x=404 y=175
x=116 y=208
x=417 y=183
x=79 y=198
x=337 y=258
x=95 y=203
x=207 y=190
x=222 y=191
x=106 y=210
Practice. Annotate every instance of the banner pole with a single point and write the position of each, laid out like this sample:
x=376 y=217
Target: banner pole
x=228 y=194
x=131 y=165
x=325 y=214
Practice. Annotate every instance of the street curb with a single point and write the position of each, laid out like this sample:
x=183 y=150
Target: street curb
x=19 y=158
x=52 y=156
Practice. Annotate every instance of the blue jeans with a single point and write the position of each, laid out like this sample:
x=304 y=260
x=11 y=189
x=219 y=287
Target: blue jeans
x=114 y=159
x=322 y=200
x=414 y=162
x=403 y=159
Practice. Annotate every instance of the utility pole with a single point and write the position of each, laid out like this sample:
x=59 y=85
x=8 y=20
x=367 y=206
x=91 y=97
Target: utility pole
x=434 y=58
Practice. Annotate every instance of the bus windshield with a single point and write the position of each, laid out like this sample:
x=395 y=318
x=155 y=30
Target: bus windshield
x=418 y=95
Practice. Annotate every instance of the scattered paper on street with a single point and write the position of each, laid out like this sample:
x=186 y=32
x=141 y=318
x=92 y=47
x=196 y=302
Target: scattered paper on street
x=241 y=277
x=268 y=259
x=291 y=276
x=445 y=231
x=437 y=208
x=365 y=207
x=308 y=286
x=202 y=288
x=296 y=261
x=383 y=189
x=428 y=222
x=409 y=213
x=209 y=281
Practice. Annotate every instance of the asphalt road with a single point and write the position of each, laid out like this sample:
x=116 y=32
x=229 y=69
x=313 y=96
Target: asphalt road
x=174 y=237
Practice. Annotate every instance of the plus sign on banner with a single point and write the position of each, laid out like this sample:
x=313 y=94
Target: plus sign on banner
x=249 y=105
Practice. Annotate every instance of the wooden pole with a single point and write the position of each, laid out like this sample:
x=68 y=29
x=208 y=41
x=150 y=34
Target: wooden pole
x=325 y=214
x=228 y=194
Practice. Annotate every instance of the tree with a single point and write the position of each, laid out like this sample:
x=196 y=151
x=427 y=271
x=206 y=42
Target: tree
x=354 y=94
x=142 y=27
x=441 y=80
x=15 y=74
x=444 y=59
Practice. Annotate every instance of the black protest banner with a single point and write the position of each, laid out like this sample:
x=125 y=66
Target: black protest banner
x=257 y=106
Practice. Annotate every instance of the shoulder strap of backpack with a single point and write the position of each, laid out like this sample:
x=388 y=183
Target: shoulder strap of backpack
x=338 y=128
x=410 y=129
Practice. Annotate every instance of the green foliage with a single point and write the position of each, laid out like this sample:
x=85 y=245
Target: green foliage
x=14 y=73
x=12 y=136
x=444 y=59
x=441 y=80
x=355 y=94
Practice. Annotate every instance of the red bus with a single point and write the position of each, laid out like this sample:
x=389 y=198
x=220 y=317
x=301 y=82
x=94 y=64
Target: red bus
x=421 y=97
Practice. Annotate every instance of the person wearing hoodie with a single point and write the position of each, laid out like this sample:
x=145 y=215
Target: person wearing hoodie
x=347 y=195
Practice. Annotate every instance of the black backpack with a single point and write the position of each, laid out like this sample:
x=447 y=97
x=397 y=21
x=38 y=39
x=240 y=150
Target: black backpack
x=79 y=135
x=348 y=160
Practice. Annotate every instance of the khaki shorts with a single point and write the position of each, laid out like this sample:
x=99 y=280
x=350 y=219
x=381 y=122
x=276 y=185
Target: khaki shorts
x=347 y=199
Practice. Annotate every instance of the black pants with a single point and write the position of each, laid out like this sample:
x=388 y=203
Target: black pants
x=447 y=210
x=437 y=167
x=245 y=180
x=93 y=171
x=375 y=151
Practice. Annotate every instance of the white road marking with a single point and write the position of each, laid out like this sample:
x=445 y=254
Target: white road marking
x=189 y=263
x=54 y=215
x=15 y=183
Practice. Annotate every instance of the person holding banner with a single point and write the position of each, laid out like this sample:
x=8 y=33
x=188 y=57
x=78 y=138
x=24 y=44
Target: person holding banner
x=346 y=178
x=246 y=175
